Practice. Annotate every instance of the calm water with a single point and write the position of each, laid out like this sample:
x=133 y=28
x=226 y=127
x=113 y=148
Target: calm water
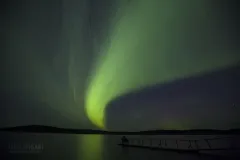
x=90 y=147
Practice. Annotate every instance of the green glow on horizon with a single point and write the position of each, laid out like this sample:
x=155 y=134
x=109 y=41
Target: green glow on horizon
x=145 y=47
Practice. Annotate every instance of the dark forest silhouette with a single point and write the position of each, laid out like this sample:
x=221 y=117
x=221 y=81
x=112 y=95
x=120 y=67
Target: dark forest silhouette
x=50 y=129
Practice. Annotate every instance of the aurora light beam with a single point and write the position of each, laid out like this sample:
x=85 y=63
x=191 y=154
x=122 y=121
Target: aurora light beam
x=146 y=45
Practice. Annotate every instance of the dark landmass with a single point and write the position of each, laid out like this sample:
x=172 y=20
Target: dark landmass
x=50 y=129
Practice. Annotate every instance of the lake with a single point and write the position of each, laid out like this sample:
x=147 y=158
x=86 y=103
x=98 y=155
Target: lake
x=102 y=147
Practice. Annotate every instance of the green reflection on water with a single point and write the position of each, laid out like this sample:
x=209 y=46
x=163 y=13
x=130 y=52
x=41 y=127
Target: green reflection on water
x=91 y=147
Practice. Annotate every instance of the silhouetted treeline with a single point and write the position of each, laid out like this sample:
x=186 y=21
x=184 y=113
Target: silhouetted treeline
x=50 y=129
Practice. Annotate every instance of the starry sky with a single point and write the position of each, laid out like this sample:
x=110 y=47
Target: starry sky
x=120 y=65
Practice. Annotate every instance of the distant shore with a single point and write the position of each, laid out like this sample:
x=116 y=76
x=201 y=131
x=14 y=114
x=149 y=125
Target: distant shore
x=50 y=129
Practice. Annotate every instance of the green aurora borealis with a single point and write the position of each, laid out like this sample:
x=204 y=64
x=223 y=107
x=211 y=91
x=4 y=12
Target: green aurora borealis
x=86 y=64
x=154 y=42
x=67 y=60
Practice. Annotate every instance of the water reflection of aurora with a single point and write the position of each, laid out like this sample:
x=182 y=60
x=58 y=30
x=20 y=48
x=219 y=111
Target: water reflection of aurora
x=154 y=42
x=91 y=147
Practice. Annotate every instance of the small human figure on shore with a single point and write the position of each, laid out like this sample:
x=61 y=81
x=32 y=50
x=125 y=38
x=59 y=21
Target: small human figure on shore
x=124 y=140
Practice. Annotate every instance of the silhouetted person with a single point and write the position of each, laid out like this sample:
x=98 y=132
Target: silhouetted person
x=234 y=105
x=125 y=140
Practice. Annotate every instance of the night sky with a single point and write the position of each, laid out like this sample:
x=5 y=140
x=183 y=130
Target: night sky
x=120 y=64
